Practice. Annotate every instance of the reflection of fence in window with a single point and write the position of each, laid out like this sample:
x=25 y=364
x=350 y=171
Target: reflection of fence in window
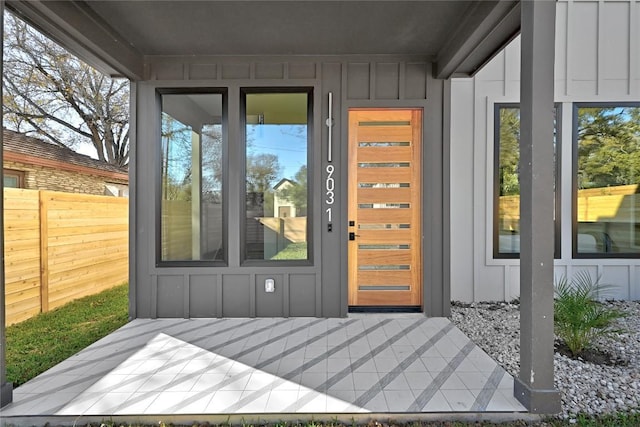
x=178 y=231
x=509 y=209
x=608 y=218
x=280 y=233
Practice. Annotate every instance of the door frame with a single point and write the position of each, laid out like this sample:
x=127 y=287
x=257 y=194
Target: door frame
x=418 y=259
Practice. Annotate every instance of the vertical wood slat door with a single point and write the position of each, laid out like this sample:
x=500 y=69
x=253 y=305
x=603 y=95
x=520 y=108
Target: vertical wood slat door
x=385 y=251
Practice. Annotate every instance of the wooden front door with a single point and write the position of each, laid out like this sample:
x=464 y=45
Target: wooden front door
x=385 y=236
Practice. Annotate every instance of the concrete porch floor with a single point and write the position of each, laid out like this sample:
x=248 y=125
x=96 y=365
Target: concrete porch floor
x=361 y=364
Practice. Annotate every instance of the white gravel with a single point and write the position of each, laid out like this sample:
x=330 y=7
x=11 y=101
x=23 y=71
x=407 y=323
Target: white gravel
x=585 y=387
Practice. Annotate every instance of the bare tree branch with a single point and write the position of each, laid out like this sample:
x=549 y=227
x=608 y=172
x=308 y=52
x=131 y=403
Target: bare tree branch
x=50 y=93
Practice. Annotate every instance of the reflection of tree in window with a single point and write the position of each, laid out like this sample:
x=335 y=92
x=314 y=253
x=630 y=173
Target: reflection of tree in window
x=507 y=169
x=276 y=139
x=297 y=192
x=176 y=159
x=263 y=170
x=608 y=146
x=608 y=203
x=212 y=163
x=509 y=151
x=192 y=173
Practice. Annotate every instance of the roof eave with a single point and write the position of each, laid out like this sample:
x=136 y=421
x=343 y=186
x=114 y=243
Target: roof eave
x=80 y=30
x=484 y=31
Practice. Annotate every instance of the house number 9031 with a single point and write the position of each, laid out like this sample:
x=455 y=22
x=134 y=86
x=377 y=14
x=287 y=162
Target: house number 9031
x=329 y=187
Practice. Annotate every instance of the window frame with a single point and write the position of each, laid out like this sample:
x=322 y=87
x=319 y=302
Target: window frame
x=20 y=175
x=224 y=92
x=574 y=184
x=557 y=226
x=248 y=90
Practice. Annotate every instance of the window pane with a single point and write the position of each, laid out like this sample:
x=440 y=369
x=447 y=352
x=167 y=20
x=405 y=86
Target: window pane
x=276 y=176
x=608 y=208
x=11 y=181
x=191 y=217
x=508 y=185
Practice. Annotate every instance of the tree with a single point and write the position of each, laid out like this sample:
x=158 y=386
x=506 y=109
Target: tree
x=297 y=192
x=262 y=171
x=52 y=94
x=509 y=151
x=608 y=146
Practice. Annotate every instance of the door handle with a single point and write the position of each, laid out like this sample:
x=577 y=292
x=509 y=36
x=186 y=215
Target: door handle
x=352 y=235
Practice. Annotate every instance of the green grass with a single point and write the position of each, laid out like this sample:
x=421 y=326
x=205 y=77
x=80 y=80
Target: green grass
x=293 y=251
x=618 y=420
x=39 y=343
x=615 y=420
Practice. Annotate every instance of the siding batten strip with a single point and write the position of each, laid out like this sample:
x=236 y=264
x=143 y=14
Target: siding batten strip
x=219 y=295
x=372 y=81
x=154 y=296
x=285 y=295
x=318 y=295
x=252 y=295
x=600 y=48
x=186 y=303
x=402 y=80
x=634 y=48
x=567 y=51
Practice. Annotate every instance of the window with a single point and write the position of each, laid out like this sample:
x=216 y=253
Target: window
x=606 y=177
x=506 y=209
x=277 y=134
x=13 y=178
x=116 y=190
x=192 y=197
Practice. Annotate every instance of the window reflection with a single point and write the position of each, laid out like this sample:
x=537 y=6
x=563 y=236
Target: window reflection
x=276 y=141
x=191 y=208
x=507 y=205
x=608 y=174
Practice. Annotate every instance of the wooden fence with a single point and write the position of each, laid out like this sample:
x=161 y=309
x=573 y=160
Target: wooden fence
x=619 y=204
x=59 y=247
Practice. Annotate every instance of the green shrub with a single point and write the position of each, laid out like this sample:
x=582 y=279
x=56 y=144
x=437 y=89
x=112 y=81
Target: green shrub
x=578 y=317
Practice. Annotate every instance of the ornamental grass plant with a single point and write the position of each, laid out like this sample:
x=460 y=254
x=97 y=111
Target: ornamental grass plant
x=579 y=318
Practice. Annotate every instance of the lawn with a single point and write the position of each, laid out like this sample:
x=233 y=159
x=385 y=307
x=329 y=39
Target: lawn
x=37 y=344
x=292 y=251
x=623 y=420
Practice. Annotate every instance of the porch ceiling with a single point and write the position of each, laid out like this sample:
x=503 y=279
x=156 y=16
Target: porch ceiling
x=116 y=36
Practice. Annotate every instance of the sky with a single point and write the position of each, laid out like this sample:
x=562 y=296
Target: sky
x=288 y=142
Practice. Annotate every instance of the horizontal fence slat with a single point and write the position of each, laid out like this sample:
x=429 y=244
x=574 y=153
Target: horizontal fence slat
x=24 y=273
x=85 y=248
x=15 y=287
x=61 y=250
x=89 y=230
x=13 y=245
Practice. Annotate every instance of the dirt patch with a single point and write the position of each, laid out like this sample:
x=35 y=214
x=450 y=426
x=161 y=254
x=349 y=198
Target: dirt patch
x=590 y=355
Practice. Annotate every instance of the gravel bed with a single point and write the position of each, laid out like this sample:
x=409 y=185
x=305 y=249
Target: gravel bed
x=585 y=387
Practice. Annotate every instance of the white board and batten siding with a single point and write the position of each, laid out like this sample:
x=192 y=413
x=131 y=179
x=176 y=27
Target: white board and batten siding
x=597 y=60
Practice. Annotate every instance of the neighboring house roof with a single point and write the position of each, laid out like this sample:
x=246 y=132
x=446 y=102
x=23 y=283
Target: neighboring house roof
x=25 y=149
x=282 y=182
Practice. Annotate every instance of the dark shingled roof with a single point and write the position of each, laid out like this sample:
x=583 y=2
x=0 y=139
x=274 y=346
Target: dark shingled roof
x=22 y=144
